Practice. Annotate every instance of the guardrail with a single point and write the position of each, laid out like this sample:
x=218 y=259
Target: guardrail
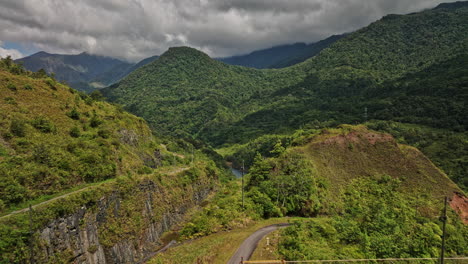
x=459 y=260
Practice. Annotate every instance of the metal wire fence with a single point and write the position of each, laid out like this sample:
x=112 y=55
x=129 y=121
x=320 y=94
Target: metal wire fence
x=460 y=260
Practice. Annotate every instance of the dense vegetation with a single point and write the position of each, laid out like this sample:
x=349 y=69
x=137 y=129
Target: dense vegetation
x=404 y=75
x=56 y=141
x=53 y=138
x=359 y=212
x=369 y=214
x=394 y=69
x=379 y=222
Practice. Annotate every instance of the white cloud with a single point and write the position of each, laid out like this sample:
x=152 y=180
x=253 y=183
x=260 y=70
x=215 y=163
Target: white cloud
x=15 y=54
x=135 y=29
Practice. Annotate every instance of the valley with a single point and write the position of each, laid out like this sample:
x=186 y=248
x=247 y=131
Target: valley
x=350 y=143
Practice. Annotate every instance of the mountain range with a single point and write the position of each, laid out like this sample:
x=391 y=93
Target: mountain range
x=361 y=136
x=85 y=72
x=372 y=73
x=88 y=72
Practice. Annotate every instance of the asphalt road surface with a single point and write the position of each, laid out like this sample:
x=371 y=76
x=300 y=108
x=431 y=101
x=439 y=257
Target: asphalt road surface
x=249 y=245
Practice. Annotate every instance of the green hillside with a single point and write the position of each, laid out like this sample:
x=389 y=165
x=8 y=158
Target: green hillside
x=327 y=87
x=185 y=90
x=365 y=184
x=395 y=69
x=64 y=154
x=53 y=138
x=360 y=193
x=334 y=157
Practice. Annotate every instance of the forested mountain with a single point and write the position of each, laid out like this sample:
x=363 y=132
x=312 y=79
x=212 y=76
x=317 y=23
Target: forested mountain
x=186 y=92
x=360 y=135
x=333 y=86
x=281 y=56
x=84 y=71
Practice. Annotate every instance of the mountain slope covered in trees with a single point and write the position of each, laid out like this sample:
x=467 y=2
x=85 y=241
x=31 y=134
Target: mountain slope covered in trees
x=366 y=74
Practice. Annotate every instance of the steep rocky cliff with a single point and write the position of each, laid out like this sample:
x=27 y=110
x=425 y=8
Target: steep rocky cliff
x=121 y=222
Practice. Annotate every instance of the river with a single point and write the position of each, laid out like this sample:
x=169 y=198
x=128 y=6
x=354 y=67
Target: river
x=237 y=173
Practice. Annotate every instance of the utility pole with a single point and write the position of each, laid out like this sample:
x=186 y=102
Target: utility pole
x=444 y=220
x=242 y=170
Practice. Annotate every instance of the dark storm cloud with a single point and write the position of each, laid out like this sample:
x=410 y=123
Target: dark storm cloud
x=134 y=29
x=269 y=5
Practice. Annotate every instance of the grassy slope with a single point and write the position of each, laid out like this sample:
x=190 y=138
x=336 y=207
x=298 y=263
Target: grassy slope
x=329 y=160
x=38 y=154
x=341 y=155
x=54 y=140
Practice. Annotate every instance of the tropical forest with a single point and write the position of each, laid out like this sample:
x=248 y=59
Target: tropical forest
x=348 y=148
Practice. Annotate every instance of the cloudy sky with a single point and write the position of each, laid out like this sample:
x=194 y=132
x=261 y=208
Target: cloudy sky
x=136 y=29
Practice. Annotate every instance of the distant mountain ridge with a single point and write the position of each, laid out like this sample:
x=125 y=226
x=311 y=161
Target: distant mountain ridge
x=83 y=71
x=281 y=56
x=87 y=72
x=454 y=5
x=77 y=70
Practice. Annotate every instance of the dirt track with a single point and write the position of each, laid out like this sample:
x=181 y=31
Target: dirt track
x=172 y=172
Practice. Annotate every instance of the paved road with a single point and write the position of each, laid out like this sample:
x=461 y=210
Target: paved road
x=172 y=172
x=249 y=245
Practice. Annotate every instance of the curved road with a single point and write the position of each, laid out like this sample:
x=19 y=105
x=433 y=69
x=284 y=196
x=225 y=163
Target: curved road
x=249 y=245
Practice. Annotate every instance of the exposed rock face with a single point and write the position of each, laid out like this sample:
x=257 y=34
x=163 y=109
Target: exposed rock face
x=77 y=237
x=459 y=203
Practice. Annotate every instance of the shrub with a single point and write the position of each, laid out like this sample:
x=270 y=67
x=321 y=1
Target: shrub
x=75 y=132
x=51 y=83
x=41 y=154
x=18 y=127
x=12 y=87
x=10 y=100
x=95 y=121
x=96 y=95
x=42 y=124
x=104 y=133
x=74 y=114
x=28 y=87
